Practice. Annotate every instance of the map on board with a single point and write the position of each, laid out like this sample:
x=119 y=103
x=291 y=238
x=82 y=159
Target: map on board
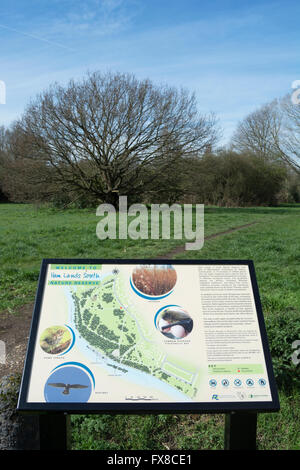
x=110 y=322
x=147 y=333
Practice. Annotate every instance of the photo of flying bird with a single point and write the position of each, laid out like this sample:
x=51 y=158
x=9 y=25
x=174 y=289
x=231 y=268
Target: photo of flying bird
x=66 y=387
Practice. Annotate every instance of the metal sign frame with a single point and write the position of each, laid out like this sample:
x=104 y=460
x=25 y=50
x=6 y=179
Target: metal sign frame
x=142 y=407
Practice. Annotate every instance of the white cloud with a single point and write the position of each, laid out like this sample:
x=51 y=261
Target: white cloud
x=89 y=18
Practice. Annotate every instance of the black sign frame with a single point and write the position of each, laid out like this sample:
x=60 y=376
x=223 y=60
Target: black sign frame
x=142 y=407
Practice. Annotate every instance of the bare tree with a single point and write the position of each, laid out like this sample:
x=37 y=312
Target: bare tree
x=258 y=132
x=100 y=133
x=3 y=143
x=287 y=143
x=272 y=132
x=3 y=156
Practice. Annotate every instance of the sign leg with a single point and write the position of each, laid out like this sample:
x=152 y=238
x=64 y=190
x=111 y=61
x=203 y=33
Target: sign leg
x=240 y=431
x=54 y=431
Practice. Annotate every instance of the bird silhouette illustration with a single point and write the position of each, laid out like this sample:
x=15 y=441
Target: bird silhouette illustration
x=67 y=387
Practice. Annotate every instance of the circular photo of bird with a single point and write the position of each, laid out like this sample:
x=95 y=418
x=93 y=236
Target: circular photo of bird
x=55 y=339
x=154 y=280
x=68 y=384
x=174 y=322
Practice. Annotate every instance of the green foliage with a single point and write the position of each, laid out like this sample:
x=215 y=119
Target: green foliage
x=107 y=298
x=94 y=323
x=86 y=316
x=232 y=179
x=283 y=329
x=281 y=431
x=123 y=432
x=273 y=243
x=9 y=392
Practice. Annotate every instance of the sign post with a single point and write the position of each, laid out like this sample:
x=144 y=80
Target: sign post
x=240 y=431
x=54 y=431
x=138 y=336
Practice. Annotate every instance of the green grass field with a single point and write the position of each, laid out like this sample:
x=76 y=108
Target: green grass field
x=29 y=234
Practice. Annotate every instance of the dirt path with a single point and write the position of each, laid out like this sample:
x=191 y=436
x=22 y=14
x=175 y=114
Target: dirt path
x=181 y=249
x=14 y=329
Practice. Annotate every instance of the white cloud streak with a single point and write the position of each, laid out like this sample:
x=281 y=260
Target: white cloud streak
x=38 y=38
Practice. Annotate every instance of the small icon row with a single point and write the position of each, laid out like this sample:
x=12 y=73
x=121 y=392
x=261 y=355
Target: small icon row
x=237 y=382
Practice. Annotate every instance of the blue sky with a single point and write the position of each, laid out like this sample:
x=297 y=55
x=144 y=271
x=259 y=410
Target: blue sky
x=235 y=55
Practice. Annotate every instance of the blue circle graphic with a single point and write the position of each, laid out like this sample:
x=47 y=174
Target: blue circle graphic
x=225 y=383
x=237 y=382
x=213 y=382
x=72 y=342
x=68 y=384
x=160 y=310
x=250 y=382
x=262 y=382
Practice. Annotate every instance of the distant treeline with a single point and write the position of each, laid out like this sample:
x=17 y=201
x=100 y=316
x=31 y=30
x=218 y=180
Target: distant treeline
x=223 y=179
x=112 y=135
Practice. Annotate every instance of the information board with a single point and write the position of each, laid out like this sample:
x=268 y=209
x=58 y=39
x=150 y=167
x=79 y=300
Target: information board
x=139 y=335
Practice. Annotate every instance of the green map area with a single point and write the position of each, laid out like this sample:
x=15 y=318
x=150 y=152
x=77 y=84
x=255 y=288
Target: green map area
x=112 y=325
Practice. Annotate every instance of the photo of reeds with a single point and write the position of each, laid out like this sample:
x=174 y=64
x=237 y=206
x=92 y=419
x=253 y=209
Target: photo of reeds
x=154 y=280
